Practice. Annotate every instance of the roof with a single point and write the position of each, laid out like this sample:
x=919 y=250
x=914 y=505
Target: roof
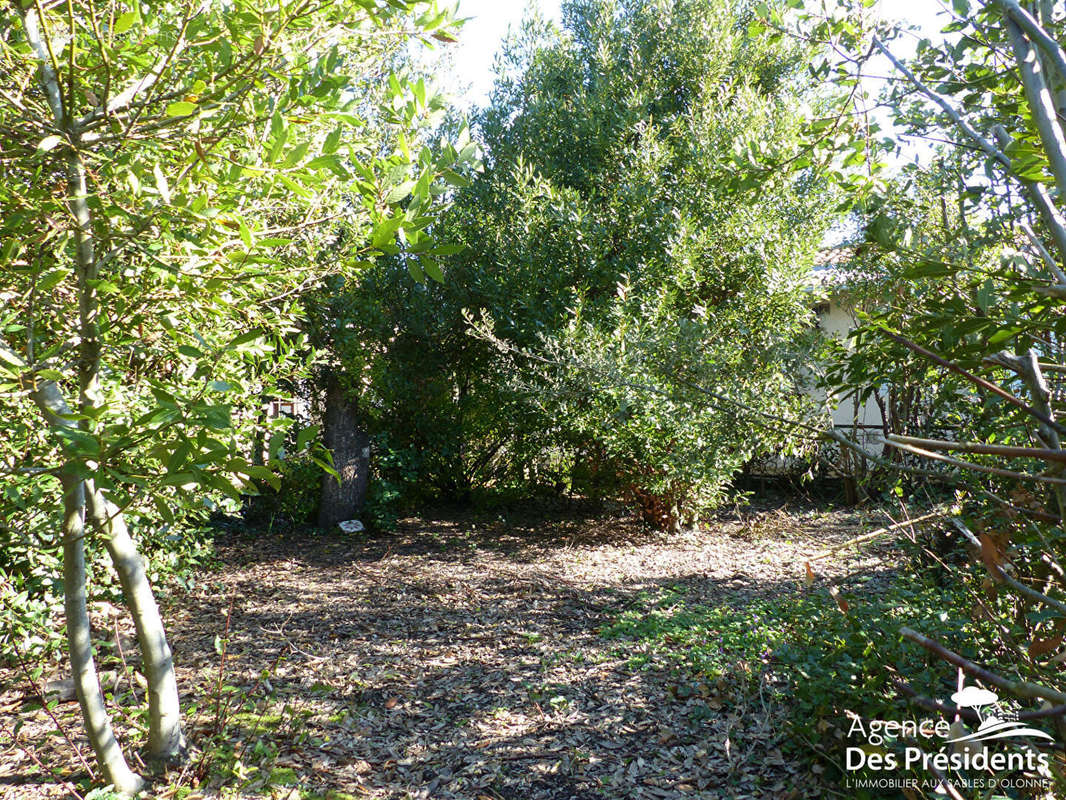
x=832 y=266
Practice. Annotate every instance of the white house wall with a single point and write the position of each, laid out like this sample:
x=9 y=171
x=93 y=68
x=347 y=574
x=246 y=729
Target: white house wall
x=838 y=320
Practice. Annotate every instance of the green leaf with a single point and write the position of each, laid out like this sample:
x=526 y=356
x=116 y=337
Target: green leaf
x=216 y=417
x=332 y=163
x=306 y=435
x=296 y=155
x=385 y=231
x=398 y=193
x=52 y=279
x=162 y=505
x=161 y=184
x=277 y=441
x=294 y=187
x=124 y=22
x=10 y=358
x=1001 y=336
x=246 y=233
x=326 y=466
x=244 y=338
x=432 y=269
x=179 y=457
x=329 y=147
x=264 y=474
x=455 y=179
x=49 y=143
x=181 y=108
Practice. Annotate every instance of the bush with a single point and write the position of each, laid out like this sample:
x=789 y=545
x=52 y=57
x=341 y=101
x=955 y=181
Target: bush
x=31 y=589
x=623 y=241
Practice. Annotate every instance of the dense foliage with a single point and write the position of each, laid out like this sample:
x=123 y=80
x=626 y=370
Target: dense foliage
x=963 y=257
x=208 y=206
x=210 y=223
x=619 y=257
x=171 y=176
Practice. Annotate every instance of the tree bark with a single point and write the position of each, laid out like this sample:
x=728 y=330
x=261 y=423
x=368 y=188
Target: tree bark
x=166 y=740
x=86 y=683
x=349 y=443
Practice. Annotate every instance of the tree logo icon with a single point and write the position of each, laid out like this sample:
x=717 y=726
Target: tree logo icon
x=991 y=727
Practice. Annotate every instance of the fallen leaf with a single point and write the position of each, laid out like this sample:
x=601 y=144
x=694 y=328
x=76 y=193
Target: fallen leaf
x=1041 y=647
x=992 y=557
x=842 y=604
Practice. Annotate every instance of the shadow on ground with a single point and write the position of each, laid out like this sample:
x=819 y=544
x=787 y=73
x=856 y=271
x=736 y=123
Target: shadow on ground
x=462 y=656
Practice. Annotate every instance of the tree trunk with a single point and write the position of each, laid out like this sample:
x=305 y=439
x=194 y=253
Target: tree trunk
x=349 y=443
x=86 y=683
x=79 y=496
x=166 y=740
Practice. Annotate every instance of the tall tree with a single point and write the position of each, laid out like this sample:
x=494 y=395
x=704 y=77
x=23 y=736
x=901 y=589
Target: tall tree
x=618 y=240
x=166 y=169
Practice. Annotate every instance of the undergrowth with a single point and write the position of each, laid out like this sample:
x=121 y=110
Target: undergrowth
x=825 y=657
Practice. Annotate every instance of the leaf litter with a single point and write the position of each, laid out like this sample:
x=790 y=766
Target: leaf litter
x=461 y=657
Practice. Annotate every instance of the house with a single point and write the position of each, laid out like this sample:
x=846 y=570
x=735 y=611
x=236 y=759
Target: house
x=835 y=308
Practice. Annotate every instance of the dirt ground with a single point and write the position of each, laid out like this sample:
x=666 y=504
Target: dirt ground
x=462 y=657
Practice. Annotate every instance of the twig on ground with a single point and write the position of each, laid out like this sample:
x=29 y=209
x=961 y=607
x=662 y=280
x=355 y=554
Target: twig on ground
x=44 y=704
x=935 y=514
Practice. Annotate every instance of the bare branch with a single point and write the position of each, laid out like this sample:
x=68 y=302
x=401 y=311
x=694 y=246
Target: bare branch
x=978 y=381
x=1036 y=191
x=1041 y=104
x=42 y=48
x=1036 y=32
x=955 y=462
x=1042 y=251
x=984 y=449
x=907 y=523
x=1019 y=688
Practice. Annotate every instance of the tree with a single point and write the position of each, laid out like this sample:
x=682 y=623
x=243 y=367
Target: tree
x=619 y=252
x=981 y=303
x=167 y=170
x=346 y=437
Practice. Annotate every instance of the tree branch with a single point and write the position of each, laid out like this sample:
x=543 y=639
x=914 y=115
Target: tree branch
x=1037 y=33
x=1032 y=691
x=983 y=449
x=987 y=385
x=32 y=23
x=955 y=462
x=1040 y=103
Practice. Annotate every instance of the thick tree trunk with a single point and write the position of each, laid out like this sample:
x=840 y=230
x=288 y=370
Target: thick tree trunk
x=86 y=683
x=166 y=740
x=350 y=445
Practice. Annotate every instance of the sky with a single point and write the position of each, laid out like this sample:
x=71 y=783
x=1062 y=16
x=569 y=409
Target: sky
x=489 y=20
x=487 y=26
